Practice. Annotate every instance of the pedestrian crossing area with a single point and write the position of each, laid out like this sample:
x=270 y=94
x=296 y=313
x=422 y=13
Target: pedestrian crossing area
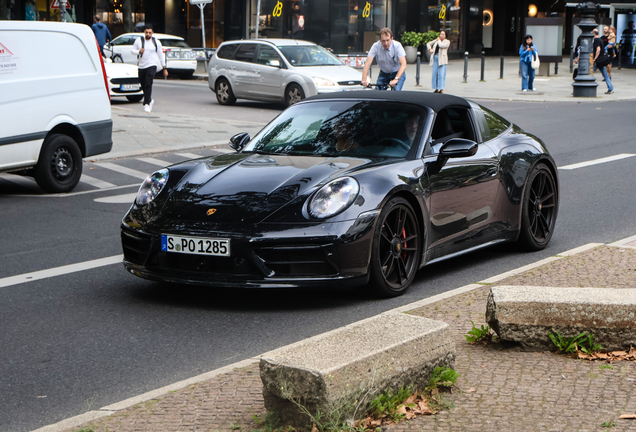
x=108 y=175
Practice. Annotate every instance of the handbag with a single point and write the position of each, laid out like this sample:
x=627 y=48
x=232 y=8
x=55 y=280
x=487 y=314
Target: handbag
x=535 y=63
x=602 y=60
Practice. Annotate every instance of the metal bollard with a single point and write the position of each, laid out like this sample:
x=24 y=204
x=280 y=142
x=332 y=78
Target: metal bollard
x=483 y=66
x=417 y=73
x=466 y=67
x=572 y=59
x=556 y=68
x=501 y=67
x=371 y=72
x=618 y=51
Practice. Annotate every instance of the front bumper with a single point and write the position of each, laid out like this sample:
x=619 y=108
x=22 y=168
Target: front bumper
x=269 y=255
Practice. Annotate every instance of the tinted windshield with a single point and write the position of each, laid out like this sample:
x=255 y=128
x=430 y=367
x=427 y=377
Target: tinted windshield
x=309 y=55
x=342 y=128
x=174 y=43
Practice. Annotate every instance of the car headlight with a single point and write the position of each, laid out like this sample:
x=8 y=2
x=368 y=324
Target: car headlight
x=152 y=186
x=333 y=198
x=323 y=82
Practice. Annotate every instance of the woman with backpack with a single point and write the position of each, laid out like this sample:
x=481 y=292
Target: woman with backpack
x=149 y=53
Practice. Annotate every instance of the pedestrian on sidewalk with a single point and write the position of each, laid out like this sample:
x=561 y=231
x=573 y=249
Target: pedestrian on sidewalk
x=601 y=60
x=439 y=60
x=391 y=60
x=149 y=54
x=102 y=34
x=527 y=52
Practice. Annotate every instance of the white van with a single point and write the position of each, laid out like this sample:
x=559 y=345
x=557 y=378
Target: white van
x=54 y=103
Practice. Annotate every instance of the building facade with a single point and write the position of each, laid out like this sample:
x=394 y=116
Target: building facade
x=346 y=26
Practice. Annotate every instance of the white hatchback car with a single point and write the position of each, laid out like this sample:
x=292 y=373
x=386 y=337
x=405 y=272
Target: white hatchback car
x=277 y=70
x=123 y=81
x=181 y=60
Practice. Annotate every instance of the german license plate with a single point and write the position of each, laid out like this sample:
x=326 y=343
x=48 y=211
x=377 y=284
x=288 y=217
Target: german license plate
x=129 y=87
x=195 y=245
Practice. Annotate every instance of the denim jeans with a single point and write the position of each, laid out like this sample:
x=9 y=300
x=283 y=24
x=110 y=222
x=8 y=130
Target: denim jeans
x=384 y=78
x=438 y=77
x=527 y=76
x=608 y=81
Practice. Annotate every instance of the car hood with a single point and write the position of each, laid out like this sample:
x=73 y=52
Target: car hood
x=334 y=73
x=248 y=188
x=121 y=70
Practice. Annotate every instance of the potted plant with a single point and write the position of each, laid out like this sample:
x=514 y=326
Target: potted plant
x=426 y=38
x=411 y=42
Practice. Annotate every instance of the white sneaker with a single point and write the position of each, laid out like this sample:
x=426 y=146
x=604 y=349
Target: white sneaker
x=534 y=89
x=524 y=90
x=152 y=102
x=147 y=108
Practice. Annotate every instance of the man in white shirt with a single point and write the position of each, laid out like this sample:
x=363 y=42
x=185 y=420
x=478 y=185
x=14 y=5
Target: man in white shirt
x=391 y=59
x=149 y=53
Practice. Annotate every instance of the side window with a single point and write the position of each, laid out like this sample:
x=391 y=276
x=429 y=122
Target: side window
x=266 y=54
x=246 y=53
x=452 y=123
x=124 y=41
x=227 y=51
x=495 y=124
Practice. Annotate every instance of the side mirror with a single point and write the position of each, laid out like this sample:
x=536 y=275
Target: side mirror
x=458 y=148
x=275 y=63
x=239 y=141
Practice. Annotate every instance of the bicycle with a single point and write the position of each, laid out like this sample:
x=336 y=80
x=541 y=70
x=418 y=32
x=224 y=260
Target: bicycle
x=115 y=58
x=380 y=86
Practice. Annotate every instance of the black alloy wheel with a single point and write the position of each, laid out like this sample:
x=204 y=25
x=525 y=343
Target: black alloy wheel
x=540 y=206
x=59 y=167
x=294 y=94
x=397 y=249
x=224 y=93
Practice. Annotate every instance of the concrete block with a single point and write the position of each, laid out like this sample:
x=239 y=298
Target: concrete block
x=338 y=368
x=525 y=314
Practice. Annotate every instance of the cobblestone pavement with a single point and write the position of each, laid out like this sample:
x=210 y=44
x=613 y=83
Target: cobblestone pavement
x=501 y=388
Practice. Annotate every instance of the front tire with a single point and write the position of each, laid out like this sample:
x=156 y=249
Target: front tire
x=294 y=94
x=60 y=165
x=539 y=211
x=396 y=251
x=224 y=93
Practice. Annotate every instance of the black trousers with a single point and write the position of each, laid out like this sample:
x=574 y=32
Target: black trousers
x=146 y=77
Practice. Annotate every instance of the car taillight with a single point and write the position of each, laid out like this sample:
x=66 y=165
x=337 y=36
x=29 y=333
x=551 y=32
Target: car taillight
x=101 y=60
x=164 y=50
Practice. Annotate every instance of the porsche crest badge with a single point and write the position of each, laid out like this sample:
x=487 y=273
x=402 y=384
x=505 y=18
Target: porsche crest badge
x=211 y=212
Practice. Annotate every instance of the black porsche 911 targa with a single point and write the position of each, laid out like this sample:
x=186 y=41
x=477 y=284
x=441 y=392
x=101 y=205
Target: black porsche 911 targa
x=345 y=189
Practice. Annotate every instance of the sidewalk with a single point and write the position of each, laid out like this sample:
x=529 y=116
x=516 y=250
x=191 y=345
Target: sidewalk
x=500 y=388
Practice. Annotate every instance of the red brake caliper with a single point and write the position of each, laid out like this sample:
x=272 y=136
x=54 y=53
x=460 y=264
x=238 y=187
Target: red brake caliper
x=404 y=245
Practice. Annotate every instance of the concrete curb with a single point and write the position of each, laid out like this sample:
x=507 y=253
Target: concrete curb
x=113 y=408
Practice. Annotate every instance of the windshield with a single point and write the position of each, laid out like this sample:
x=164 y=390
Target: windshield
x=342 y=128
x=174 y=43
x=309 y=55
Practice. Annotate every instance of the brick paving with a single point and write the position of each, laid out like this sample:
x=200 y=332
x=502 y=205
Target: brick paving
x=501 y=388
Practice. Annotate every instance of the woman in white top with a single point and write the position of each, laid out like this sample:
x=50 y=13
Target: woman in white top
x=439 y=61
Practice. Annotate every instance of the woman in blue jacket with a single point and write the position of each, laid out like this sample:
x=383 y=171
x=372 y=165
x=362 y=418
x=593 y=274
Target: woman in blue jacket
x=526 y=52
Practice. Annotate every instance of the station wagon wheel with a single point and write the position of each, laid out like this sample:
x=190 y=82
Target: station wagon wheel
x=294 y=94
x=540 y=206
x=396 y=249
x=59 y=167
x=224 y=93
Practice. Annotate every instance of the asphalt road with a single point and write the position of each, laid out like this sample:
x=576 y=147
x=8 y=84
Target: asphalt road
x=84 y=340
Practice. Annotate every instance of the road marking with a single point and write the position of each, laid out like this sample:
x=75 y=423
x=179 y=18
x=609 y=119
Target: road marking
x=19 y=180
x=100 y=184
x=597 y=161
x=154 y=161
x=189 y=155
x=118 y=199
x=123 y=170
x=58 y=271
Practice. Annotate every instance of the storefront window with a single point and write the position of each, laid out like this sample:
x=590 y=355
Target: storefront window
x=366 y=19
x=447 y=15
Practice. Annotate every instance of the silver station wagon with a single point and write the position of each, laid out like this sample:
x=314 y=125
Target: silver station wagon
x=277 y=70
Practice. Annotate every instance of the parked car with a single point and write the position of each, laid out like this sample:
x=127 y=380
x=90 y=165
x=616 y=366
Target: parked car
x=54 y=103
x=277 y=70
x=123 y=81
x=181 y=60
x=346 y=189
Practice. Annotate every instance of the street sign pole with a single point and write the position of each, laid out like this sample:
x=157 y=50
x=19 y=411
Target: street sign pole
x=258 y=15
x=201 y=4
x=62 y=10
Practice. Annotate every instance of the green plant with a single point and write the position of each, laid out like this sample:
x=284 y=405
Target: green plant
x=606 y=367
x=566 y=345
x=269 y=423
x=588 y=346
x=442 y=376
x=413 y=39
x=479 y=334
x=387 y=404
x=429 y=36
x=608 y=424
